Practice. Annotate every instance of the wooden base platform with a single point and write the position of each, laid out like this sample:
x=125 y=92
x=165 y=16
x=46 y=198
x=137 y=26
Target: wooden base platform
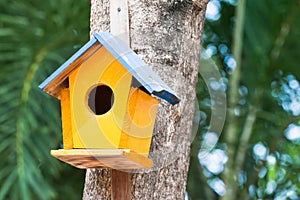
x=103 y=158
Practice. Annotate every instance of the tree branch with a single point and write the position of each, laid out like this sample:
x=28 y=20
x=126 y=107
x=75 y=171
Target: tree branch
x=231 y=131
x=244 y=139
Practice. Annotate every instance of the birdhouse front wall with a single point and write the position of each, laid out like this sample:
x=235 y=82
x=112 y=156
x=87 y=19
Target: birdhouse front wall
x=91 y=130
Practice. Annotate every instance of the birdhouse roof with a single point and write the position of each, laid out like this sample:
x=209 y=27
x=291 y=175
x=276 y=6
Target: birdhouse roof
x=120 y=50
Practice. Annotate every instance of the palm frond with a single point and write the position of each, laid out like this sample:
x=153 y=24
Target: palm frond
x=35 y=38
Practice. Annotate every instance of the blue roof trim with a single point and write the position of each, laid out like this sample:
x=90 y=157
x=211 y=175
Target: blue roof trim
x=137 y=67
x=72 y=59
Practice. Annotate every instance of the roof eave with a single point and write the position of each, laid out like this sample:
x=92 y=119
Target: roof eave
x=54 y=82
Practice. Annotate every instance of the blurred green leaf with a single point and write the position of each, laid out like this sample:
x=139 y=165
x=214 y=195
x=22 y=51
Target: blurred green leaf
x=271 y=48
x=36 y=37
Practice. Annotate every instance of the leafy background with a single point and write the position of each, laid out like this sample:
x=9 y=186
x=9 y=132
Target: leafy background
x=35 y=38
x=253 y=45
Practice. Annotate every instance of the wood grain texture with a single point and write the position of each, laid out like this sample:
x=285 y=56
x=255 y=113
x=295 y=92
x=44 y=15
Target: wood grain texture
x=167 y=36
x=105 y=158
x=121 y=185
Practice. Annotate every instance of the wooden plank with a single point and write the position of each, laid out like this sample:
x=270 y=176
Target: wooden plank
x=66 y=119
x=119 y=26
x=121 y=185
x=105 y=158
x=119 y=21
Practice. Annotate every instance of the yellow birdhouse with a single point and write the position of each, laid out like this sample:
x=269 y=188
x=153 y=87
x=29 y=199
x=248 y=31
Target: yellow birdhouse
x=109 y=105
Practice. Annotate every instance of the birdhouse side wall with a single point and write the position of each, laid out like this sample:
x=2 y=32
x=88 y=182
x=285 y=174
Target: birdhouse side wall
x=139 y=122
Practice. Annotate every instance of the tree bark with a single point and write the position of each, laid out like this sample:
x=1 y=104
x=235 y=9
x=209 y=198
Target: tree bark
x=167 y=36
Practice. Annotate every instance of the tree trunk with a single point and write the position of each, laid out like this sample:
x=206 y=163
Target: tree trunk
x=167 y=36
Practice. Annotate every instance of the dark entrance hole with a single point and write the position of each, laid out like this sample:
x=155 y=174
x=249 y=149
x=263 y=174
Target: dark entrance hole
x=101 y=99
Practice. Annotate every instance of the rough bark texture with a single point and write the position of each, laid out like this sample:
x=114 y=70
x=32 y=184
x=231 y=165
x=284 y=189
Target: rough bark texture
x=167 y=36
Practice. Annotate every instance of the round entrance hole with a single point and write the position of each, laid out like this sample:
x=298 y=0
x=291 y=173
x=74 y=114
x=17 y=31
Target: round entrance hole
x=101 y=99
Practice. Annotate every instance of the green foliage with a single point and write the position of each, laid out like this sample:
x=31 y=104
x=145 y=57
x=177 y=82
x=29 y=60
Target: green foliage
x=268 y=92
x=35 y=38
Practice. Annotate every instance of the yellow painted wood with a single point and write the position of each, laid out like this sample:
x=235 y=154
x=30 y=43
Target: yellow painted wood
x=139 y=122
x=98 y=131
x=106 y=158
x=66 y=119
x=76 y=139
